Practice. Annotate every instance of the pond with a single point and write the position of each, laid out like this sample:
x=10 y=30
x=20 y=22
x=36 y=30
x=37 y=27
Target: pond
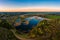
x=29 y=23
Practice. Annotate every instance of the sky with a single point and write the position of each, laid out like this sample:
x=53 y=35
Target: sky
x=29 y=5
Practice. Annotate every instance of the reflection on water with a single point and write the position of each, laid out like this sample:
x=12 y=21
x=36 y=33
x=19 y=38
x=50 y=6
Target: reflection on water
x=29 y=23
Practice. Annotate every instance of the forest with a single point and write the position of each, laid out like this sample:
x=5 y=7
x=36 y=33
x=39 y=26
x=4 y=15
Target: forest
x=44 y=30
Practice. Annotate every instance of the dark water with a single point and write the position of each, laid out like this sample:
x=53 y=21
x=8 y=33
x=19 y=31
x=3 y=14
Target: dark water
x=32 y=23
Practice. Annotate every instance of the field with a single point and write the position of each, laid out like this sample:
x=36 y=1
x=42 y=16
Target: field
x=53 y=16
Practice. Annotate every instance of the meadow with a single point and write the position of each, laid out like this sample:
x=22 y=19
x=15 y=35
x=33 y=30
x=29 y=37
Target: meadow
x=53 y=16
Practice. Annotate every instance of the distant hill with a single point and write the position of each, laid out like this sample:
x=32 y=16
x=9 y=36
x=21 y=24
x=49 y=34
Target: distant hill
x=28 y=13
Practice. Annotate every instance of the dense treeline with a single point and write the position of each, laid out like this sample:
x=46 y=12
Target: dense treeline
x=5 y=24
x=5 y=33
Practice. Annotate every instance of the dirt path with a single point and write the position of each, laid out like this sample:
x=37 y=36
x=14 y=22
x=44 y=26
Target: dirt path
x=19 y=36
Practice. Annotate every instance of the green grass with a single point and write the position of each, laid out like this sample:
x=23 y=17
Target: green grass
x=53 y=16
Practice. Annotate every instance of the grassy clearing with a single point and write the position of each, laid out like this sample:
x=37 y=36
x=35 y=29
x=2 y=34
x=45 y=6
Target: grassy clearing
x=53 y=16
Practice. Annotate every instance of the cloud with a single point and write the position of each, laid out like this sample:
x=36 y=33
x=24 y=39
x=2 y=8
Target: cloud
x=30 y=9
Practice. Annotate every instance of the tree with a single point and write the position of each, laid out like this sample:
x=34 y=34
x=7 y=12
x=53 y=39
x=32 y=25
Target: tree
x=46 y=30
x=6 y=24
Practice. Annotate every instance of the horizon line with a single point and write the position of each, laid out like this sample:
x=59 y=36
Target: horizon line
x=31 y=9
